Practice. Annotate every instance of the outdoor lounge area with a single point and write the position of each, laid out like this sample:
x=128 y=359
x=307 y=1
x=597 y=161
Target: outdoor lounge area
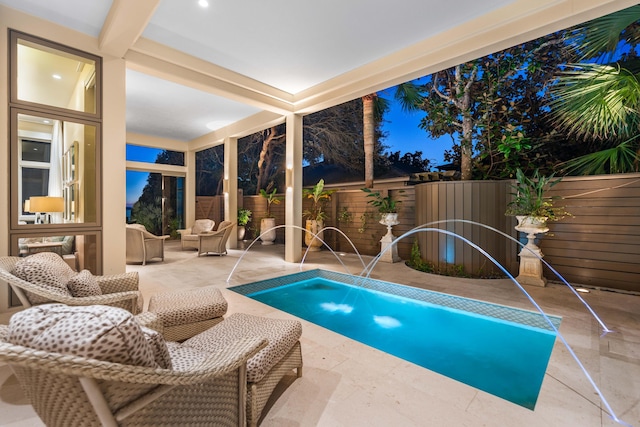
x=348 y=383
x=191 y=83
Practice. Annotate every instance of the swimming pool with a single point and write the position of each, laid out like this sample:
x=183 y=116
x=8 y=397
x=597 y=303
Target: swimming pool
x=501 y=350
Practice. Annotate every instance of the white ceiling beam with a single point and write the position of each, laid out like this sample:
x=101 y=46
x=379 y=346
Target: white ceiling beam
x=155 y=142
x=124 y=24
x=239 y=129
x=203 y=75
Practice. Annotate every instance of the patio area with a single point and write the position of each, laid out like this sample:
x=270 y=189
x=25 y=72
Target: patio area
x=348 y=383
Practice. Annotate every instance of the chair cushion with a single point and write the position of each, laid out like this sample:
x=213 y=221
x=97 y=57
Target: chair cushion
x=197 y=228
x=282 y=336
x=84 y=284
x=47 y=270
x=188 y=306
x=184 y=359
x=99 y=332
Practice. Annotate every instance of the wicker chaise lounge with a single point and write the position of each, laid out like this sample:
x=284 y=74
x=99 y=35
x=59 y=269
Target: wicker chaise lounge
x=123 y=384
x=134 y=377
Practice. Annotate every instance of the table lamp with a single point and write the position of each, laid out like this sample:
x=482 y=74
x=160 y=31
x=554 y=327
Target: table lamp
x=45 y=205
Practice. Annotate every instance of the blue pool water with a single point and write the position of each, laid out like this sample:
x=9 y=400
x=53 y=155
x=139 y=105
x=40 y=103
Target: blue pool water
x=501 y=350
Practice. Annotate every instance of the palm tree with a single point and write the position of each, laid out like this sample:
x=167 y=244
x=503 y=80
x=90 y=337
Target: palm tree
x=373 y=108
x=600 y=98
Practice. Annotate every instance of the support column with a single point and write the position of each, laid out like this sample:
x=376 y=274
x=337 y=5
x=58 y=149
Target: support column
x=231 y=187
x=190 y=188
x=293 y=198
x=114 y=169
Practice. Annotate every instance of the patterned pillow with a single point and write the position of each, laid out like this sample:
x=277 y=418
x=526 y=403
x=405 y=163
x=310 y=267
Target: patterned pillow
x=84 y=284
x=47 y=270
x=159 y=347
x=99 y=332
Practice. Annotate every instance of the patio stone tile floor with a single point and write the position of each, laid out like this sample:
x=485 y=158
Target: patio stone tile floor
x=346 y=383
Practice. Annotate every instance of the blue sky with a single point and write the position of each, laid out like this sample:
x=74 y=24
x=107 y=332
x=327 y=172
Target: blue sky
x=405 y=136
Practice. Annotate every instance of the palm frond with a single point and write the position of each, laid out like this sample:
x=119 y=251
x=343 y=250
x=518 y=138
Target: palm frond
x=599 y=101
x=602 y=35
x=409 y=96
x=623 y=158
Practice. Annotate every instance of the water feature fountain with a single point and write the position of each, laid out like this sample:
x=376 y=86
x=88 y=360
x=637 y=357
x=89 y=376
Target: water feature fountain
x=425 y=228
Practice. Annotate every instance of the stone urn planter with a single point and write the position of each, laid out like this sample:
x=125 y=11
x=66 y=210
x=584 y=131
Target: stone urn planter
x=242 y=231
x=531 y=255
x=391 y=255
x=267 y=236
x=314 y=228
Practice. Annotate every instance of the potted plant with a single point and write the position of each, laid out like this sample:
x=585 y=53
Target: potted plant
x=316 y=215
x=267 y=233
x=244 y=216
x=530 y=205
x=386 y=205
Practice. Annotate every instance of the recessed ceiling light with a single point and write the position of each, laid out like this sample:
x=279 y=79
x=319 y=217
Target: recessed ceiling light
x=57 y=76
x=46 y=122
x=203 y=3
x=582 y=290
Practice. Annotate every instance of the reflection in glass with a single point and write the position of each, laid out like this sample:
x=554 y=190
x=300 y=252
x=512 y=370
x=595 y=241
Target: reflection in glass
x=137 y=153
x=57 y=159
x=55 y=78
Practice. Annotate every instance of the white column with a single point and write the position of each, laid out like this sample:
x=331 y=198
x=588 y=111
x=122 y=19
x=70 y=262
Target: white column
x=114 y=166
x=190 y=188
x=231 y=187
x=293 y=204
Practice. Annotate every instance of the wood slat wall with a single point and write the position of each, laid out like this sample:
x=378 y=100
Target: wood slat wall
x=479 y=201
x=599 y=246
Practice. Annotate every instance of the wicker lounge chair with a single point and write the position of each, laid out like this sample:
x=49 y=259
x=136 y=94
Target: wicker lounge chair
x=167 y=384
x=143 y=246
x=189 y=236
x=222 y=376
x=215 y=242
x=119 y=290
x=46 y=278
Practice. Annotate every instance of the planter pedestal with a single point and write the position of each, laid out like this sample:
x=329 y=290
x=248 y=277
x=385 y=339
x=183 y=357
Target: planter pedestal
x=392 y=254
x=530 y=264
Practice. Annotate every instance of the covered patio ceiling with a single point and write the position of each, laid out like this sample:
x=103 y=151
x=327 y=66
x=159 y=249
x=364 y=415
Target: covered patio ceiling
x=198 y=74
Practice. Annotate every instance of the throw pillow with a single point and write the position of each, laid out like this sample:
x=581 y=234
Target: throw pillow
x=84 y=284
x=159 y=347
x=47 y=270
x=98 y=332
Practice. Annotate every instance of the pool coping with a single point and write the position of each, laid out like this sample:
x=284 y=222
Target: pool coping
x=510 y=314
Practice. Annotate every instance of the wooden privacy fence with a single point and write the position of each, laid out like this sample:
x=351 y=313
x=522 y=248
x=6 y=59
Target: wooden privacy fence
x=599 y=246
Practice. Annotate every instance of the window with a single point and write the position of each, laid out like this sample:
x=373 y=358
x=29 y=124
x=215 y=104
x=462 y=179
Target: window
x=55 y=131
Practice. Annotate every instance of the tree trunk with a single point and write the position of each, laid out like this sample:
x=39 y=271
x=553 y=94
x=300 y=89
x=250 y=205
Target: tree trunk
x=368 y=129
x=466 y=146
x=464 y=92
x=264 y=158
